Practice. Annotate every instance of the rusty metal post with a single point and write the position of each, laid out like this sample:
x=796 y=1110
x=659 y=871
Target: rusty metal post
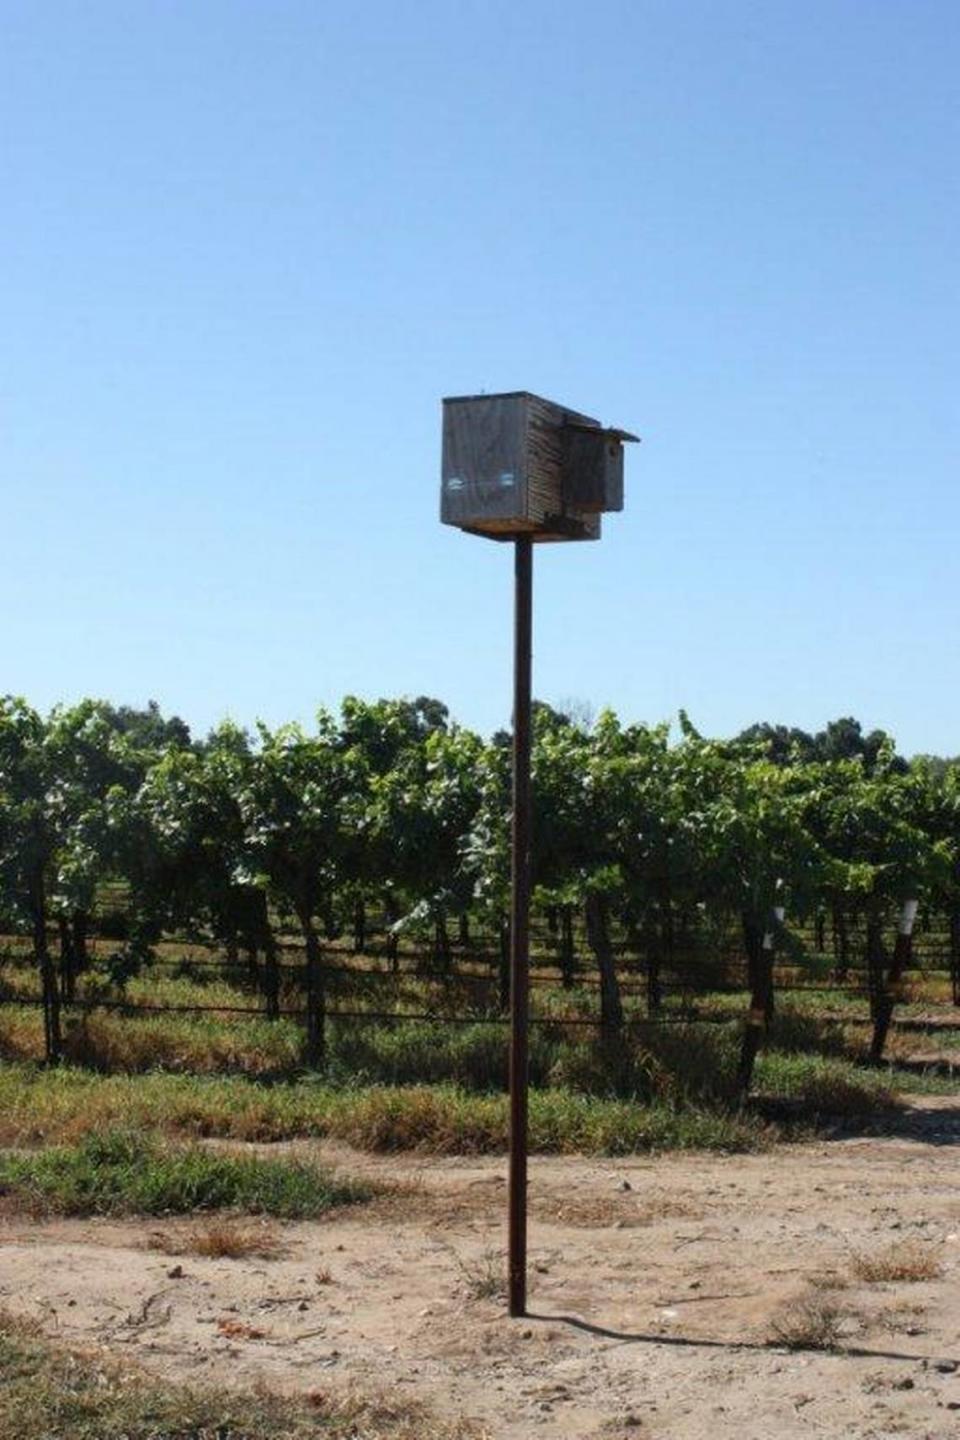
x=520 y=923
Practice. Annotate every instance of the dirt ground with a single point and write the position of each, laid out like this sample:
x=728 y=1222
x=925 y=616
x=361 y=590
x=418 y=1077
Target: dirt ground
x=654 y=1287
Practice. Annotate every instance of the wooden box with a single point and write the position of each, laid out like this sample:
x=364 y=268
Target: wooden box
x=517 y=464
x=594 y=472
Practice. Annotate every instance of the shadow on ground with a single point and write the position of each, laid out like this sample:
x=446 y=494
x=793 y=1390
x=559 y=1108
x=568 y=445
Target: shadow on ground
x=627 y=1337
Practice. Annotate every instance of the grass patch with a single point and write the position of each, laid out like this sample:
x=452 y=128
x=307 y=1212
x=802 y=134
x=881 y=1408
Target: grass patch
x=908 y=1260
x=676 y=1062
x=122 y=1173
x=797 y=1030
x=473 y=1057
x=50 y=1393
x=824 y=1086
x=45 y=1106
x=443 y=1120
x=134 y=1044
x=680 y=1064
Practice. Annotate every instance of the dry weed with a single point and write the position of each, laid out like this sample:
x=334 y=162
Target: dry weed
x=625 y=1210
x=828 y=1280
x=899 y=1046
x=221 y=1238
x=239 y=1330
x=23 y=1325
x=394 y=1415
x=905 y=1318
x=908 y=1260
x=484 y=1278
x=813 y=1322
x=51 y=1390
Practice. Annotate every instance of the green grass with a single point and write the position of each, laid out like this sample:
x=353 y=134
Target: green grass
x=654 y=1062
x=53 y=1393
x=940 y=1039
x=119 y=1172
x=824 y=1086
x=115 y=1042
x=415 y=1052
x=798 y=1030
x=677 y=1064
x=905 y=1083
x=651 y=1063
x=46 y=1106
x=444 y=1120
x=432 y=1087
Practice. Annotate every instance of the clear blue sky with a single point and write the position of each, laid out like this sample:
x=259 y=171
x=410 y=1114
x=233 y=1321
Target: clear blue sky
x=246 y=247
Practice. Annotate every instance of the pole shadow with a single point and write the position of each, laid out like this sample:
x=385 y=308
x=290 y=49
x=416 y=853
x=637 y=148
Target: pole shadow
x=686 y=1342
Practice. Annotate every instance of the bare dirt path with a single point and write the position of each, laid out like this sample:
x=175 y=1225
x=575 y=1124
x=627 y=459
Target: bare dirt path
x=654 y=1286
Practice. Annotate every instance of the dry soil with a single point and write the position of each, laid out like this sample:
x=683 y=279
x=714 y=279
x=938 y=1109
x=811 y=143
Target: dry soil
x=656 y=1285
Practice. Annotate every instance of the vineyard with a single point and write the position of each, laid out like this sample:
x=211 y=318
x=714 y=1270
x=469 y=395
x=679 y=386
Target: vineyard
x=253 y=1030
x=337 y=899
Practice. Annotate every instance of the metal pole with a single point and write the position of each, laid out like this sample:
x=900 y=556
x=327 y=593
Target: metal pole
x=520 y=924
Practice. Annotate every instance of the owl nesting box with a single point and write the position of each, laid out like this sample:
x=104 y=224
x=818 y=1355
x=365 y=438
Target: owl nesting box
x=515 y=464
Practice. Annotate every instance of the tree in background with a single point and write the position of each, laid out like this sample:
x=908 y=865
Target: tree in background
x=29 y=841
x=191 y=805
x=100 y=767
x=302 y=799
x=755 y=858
x=870 y=815
x=662 y=843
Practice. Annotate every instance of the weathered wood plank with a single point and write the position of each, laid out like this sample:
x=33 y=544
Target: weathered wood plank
x=484 y=462
x=593 y=470
x=506 y=468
